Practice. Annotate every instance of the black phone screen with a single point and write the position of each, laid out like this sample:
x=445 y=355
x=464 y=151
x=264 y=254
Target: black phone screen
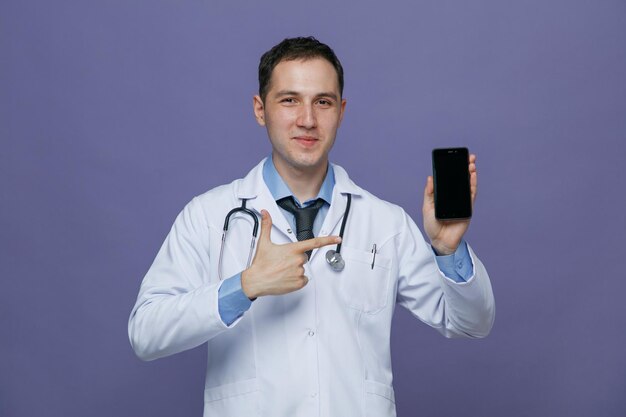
x=452 y=183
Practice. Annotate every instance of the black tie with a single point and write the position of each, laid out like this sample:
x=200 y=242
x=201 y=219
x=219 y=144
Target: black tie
x=305 y=217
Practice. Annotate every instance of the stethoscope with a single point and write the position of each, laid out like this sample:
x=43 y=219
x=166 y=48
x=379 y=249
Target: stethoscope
x=333 y=256
x=255 y=230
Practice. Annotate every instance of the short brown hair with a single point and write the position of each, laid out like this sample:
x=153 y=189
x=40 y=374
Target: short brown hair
x=293 y=49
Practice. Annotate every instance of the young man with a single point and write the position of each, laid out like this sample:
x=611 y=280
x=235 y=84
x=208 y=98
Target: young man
x=294 y=333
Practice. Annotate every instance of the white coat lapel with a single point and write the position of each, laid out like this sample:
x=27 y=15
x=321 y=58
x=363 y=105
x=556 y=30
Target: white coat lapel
x=253 y=188
x=343 y=186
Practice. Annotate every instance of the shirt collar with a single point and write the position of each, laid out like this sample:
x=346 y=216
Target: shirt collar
x=280 y=189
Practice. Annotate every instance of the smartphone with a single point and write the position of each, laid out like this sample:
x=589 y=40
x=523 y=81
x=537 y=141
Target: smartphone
x=452 y=184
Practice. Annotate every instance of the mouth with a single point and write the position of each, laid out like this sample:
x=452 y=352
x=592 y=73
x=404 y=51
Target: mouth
x=306 y=141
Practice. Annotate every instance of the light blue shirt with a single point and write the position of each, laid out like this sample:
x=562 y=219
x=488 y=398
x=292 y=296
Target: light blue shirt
x=232 y=302
x=280 y=189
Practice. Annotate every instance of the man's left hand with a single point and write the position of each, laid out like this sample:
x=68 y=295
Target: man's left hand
x=445 y=236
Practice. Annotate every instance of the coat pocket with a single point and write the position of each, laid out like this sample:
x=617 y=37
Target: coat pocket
x=239 y=398
x=379 y=400
x=363 y=287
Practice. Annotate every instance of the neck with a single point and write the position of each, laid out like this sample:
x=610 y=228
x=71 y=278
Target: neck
x=304 y=183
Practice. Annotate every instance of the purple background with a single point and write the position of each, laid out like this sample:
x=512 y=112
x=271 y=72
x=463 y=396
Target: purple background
x=114 y=114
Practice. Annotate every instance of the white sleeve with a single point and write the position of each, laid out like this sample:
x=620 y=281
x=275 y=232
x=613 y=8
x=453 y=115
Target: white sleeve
x=463 y=309
x=177 y=305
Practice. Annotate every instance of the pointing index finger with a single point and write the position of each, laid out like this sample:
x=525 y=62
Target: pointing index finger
x=316 y=242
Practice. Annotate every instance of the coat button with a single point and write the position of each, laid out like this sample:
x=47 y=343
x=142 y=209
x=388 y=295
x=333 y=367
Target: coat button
x=289 y=231
x=311 y=333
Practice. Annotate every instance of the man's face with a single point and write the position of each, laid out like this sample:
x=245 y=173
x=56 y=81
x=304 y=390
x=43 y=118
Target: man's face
x=302 y=111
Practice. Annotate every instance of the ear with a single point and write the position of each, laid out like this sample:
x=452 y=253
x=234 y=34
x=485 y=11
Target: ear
x=259 y=110
x=342 y=110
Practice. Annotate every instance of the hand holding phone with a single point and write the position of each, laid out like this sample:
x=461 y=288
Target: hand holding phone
x=446 y=233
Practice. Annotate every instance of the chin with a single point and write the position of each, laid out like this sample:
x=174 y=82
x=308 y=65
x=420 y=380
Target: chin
x=304 y=161
x=308 y=162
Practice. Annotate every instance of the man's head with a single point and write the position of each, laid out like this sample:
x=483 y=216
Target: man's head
x=292 y=49
x=300 y=104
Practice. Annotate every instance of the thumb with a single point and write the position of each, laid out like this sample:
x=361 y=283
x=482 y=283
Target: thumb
x=429 y=190
x=266 y=227
x=429 y=194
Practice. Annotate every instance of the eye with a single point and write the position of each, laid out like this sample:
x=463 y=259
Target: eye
x=288 y=100
x=324 y=102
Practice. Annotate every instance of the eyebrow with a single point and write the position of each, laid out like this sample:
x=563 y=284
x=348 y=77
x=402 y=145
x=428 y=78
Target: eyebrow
x=295 y=93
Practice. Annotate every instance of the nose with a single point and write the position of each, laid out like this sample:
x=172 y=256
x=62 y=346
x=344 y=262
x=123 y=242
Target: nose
x=306 y=117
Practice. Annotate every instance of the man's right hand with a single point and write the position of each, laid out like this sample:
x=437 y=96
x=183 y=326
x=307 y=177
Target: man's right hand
x=279 y=269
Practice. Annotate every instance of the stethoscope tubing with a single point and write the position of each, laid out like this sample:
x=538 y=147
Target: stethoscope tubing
x=246 y=210
x=344 y=221
x=255 y=230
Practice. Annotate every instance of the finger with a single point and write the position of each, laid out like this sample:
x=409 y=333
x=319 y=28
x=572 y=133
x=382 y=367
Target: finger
x=473 y=177
x=299 y=259
x=472 y=163
x=474 y=185
x=316 y=242
x=266 y=227
x=305 y=280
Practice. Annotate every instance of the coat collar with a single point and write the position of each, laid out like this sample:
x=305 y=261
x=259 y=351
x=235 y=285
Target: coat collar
x=252 y=185
x=253 y=188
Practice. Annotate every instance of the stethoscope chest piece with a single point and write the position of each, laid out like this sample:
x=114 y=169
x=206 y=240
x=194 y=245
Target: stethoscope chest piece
x=333 y=257
x=335 y=260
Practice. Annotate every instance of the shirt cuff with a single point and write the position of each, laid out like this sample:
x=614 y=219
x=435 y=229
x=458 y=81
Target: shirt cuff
x=458 y=267
x=231 y=301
